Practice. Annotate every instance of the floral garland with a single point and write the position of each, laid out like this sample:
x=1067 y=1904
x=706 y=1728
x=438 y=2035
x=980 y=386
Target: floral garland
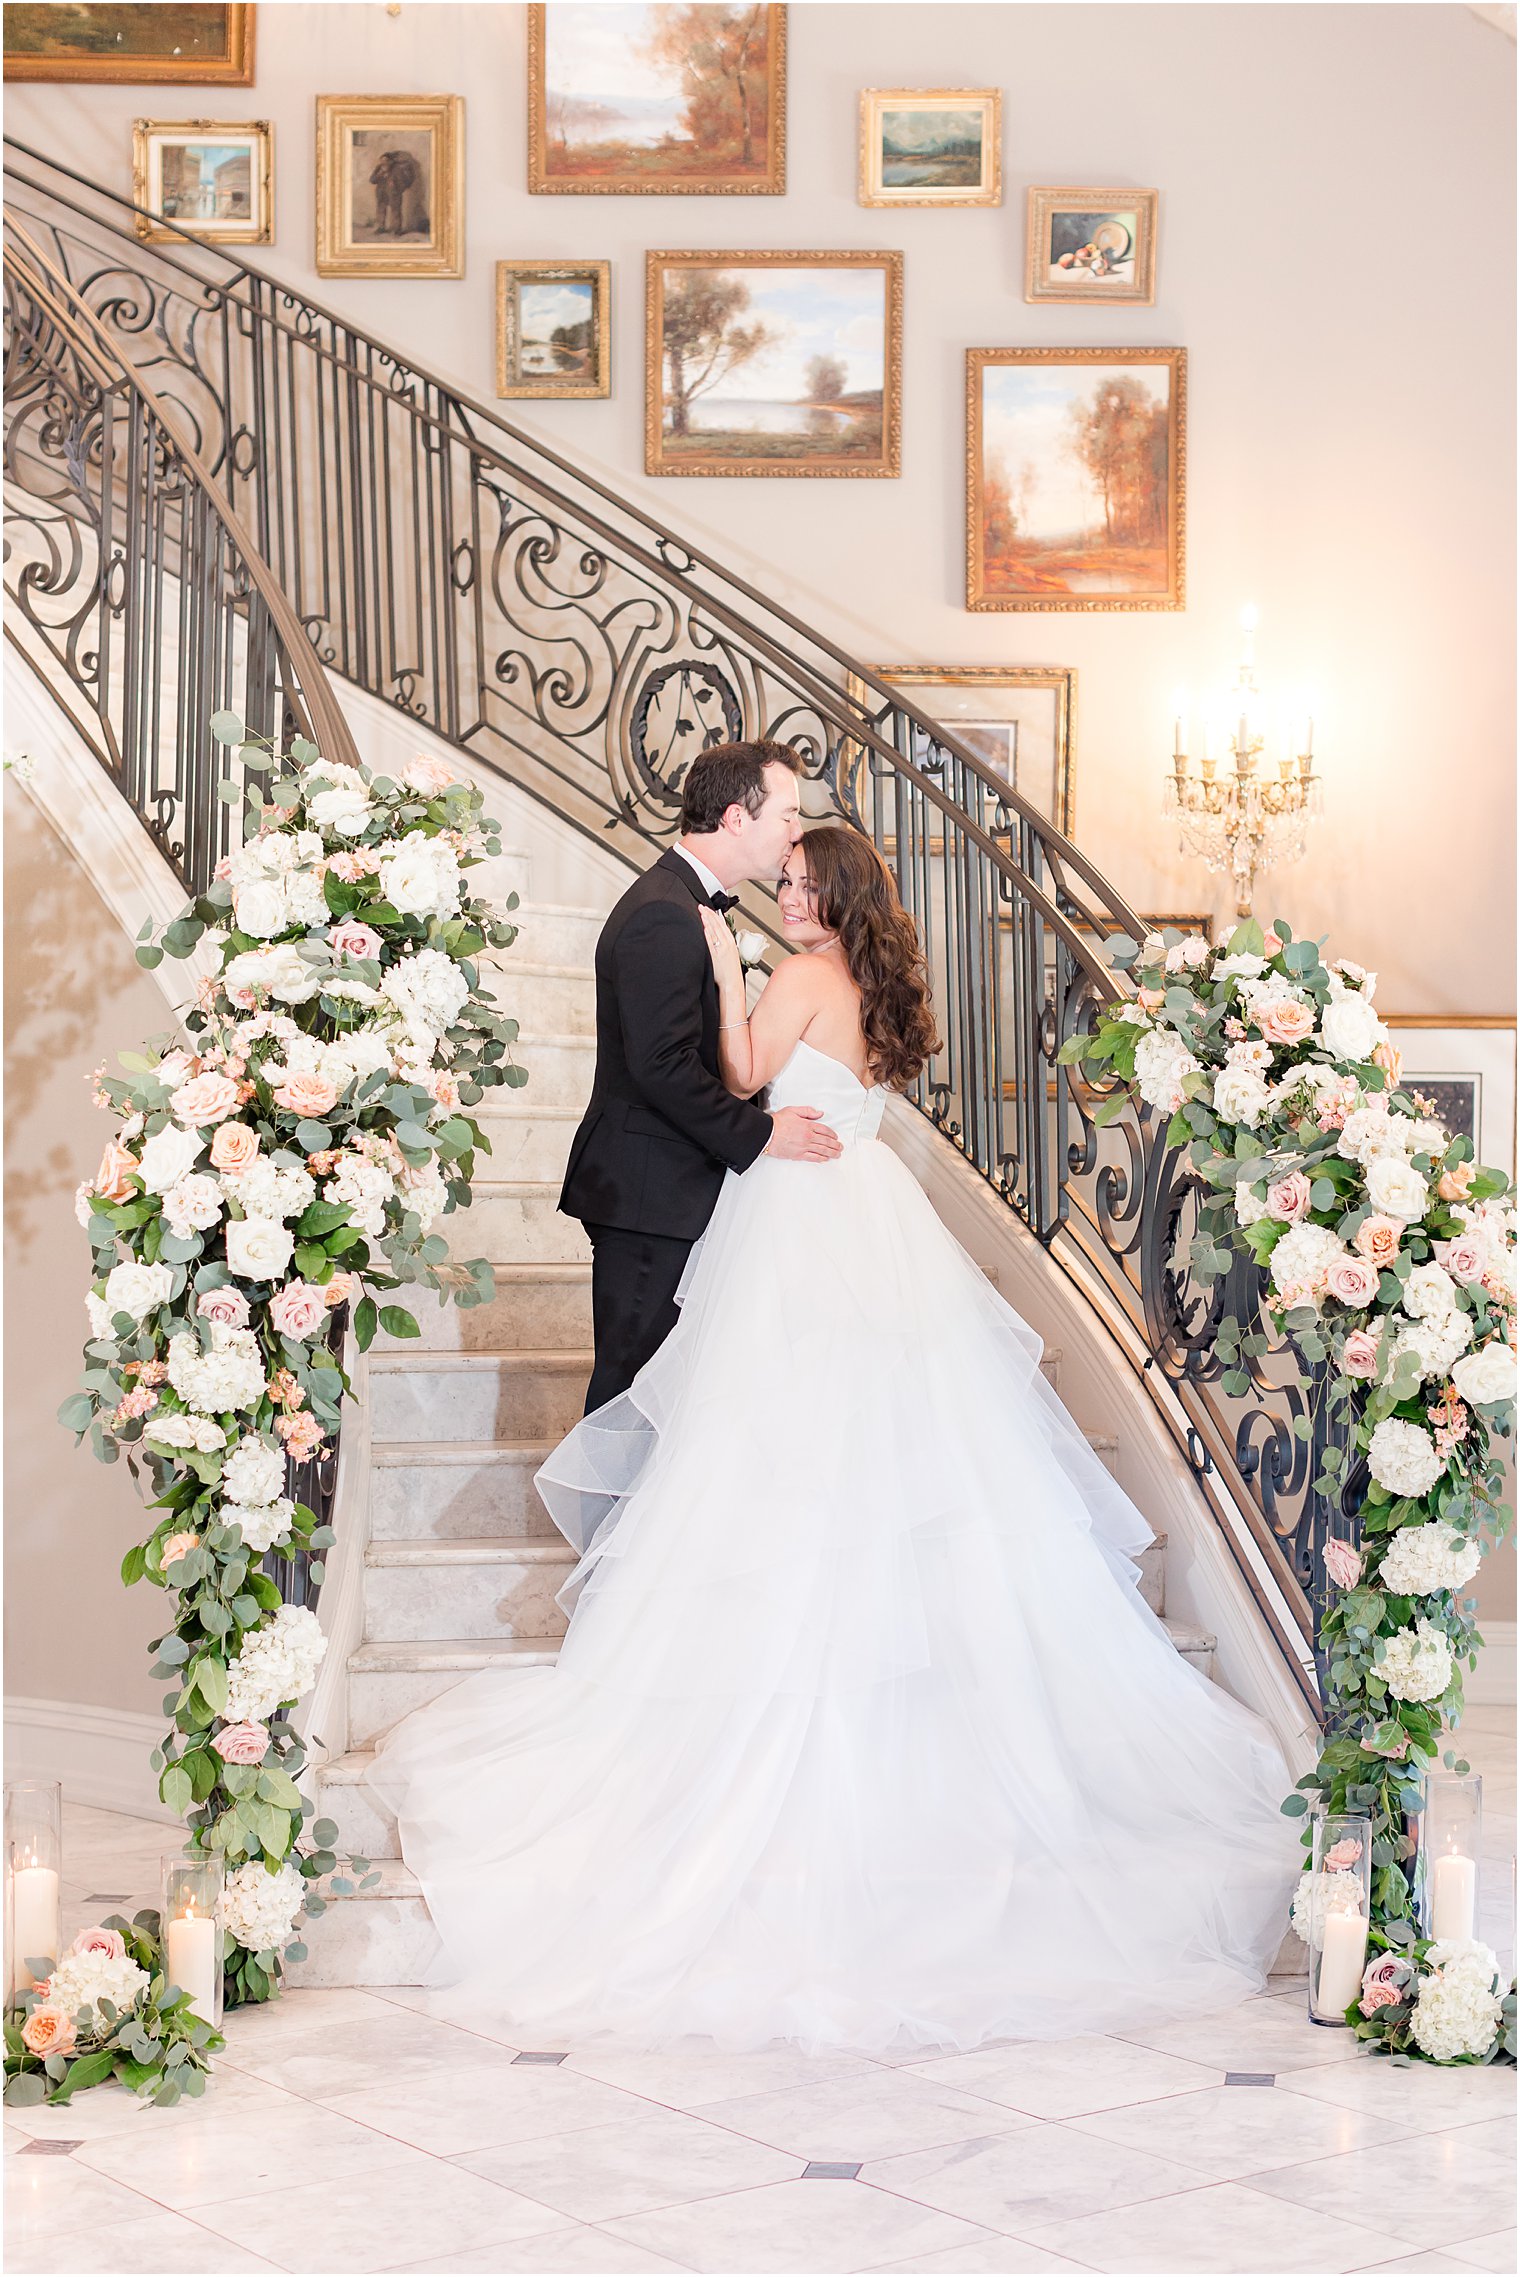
x=106 y=2013
x=1390 y=1255
x=290 y=1158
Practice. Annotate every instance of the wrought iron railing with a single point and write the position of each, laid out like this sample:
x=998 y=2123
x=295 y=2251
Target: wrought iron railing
x=503 y=598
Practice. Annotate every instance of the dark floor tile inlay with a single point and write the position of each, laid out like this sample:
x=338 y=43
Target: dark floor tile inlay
x=536 y=2056
x=1250 y=2079
x=831 y=2170
x=53 y=2148
x=106 y=1897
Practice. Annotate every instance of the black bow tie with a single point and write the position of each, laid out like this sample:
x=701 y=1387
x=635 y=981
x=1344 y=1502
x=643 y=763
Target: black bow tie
x=722 y=901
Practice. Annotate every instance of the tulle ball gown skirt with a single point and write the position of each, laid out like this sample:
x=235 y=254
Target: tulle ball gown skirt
x=862 y=1735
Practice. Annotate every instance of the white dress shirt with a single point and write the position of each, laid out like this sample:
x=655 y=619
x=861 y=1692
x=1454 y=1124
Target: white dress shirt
x=710 y=885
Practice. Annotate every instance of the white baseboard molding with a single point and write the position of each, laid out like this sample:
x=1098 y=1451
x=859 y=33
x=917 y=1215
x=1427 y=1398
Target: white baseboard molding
x=1492 y=1682
x=98 y=1755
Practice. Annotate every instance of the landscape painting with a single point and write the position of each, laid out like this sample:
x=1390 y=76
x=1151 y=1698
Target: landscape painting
x=1092 y=245
x=930 y=146
x=390 y=185
x=552 y=328
x=633 y=100
x=1074 y=478
x=774 y=363
x=209 y=179
x=166 y=44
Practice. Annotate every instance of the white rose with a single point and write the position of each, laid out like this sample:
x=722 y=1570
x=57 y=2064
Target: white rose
x=258 y=1249
x=1349 y=1027
x=193 y=1205
x=1242 y=966
x=1486 y=1378
x=421 y=878
x=344 y=807
x=1187 y=954
x=751 y=947
x=1240 y=1095
x=1404 y=1458
x=1248 y=1206
x=1396 y=1190
x=138 y=1289
x=260 y=908
x=280 y=972
x=1370 y=1131
x=1428 y=1291
x=169 y=1156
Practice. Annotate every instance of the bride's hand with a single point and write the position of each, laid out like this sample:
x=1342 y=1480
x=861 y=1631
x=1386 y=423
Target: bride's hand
x=722 y=948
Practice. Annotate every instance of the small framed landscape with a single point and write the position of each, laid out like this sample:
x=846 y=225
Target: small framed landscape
x=1465 y=1067
x=130 y=45
x=931 y=146
x=1075 y=478
x=552 y=328
x=390 y=185
x=209 y=178
x=1018 y=718
x=657 y=101
x=773 y=363
x=1092 y=245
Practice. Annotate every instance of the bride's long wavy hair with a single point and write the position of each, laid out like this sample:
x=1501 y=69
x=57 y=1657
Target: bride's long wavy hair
x=856 y=898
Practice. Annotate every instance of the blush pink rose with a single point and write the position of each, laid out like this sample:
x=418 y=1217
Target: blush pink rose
x=1342 y=1855
x=1465 y=1260
x=208 y=1098
x=1389 y=1058
x=1382 y=1984
x=1271 y=944
x=242 y=1743
x=1343 y=1564
x=1455 y=1182
x=234 y=1149
x=298 y=1310
x=351 y=939
x=307 y=1094
x=1287 y=1022
x=1359 y=1354
x=427 y=775
x=1152 y=999
x=48 y=2032
x=227 y=1306
x=108 y=1941
x=1377 y=1239
x=1352 y=1281
x=113 y=1178
x=1289 y=1198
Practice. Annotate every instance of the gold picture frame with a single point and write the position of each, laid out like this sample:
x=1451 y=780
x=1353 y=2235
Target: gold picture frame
x=1023 y=550
x=1049 y=725
x=642 y=166
x=228 y=200
x=527 y=336
x=1092 y=245
x=1464 y=1063
x=862 y=422
x=936 y=170
x=162 y=62
x=390 y=185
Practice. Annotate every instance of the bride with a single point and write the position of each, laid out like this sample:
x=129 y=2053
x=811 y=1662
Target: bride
x=862 y=1734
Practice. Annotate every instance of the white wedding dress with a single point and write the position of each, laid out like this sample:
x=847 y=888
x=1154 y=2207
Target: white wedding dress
x=862 y=1735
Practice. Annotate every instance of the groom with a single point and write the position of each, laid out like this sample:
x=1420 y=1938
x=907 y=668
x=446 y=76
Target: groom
x=649 y=1157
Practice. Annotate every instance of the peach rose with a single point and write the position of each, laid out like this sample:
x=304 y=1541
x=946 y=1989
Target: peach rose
x=298 y=1310
x=177 y=1546
x=1455 y=1182
x=113 y=1178
x=1272 y=944
x=308 y=1094
x=1377 y=1239
x=1288 y=1198
x=1342 y=1855
x=1343 y=1564
x=1359 y=1354
x=1152 y=999
x=242 y=1743
x=350 y=939
x=48 y=2032
x=1389 y=1058
x=427 y=775
x=1286 y=1022
x=1351 y=1281
x=1382 y=1984
x=208 y=1098
x=342 y=1289
x=101 y=1940
x=227 y=1306
x=234 y=1149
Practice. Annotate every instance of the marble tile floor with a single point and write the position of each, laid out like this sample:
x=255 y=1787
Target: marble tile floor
x=372 y=2131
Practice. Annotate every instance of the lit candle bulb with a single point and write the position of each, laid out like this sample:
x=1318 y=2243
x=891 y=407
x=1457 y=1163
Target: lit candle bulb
x=1179 y=723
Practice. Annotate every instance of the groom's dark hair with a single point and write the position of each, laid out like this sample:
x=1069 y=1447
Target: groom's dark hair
x=730 y=774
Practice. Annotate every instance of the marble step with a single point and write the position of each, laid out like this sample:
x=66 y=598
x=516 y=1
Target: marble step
x=386 y=1681
x=527 y=1141
x=421 y=1589
x=560 y=1068
x=453 y=1490
x=551 y=933
x=519 y=1220
x=559 y=999
x=534 y=1394
x=537 y=1306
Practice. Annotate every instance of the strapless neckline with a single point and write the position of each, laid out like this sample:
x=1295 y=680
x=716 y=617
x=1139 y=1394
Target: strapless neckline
x=867 y=1090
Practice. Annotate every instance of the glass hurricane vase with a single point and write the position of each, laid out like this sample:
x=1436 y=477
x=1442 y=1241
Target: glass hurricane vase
x=1340 y=1906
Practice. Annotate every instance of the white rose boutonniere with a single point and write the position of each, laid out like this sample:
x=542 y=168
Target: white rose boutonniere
x=751 y=947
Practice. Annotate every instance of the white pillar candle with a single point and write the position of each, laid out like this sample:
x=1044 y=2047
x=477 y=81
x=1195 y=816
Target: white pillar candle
x=192 y=1960
x=34 y=1919
x=1453 y=1896
x=1342 y=1955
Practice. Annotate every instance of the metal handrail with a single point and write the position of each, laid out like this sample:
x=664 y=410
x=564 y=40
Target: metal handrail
x=473 y=577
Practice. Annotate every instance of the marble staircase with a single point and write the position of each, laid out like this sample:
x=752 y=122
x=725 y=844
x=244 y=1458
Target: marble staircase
x=461 y=1562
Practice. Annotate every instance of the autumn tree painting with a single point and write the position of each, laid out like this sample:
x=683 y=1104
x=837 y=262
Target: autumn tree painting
x=706 y=338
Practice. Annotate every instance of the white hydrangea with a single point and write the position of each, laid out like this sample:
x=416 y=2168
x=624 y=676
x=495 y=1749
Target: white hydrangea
x=260 y=1908
x=83 y=1980
x=1456 y=2011
x=305 y=900
x=280 y=972
x=169 y=1429
x=262 y=1525
x=1339 y=1893
x=362 y=1052
x=423 y=1190
x=254 y=1472
x=365 y=1187
x=137 y=1289
x=1436 y=1341
x=1303 y=1256
x=420 y=876
x=428 y=989
x=1416 y=1663
x=230 y=1375
x=1162 y=1059
x=193 y=1205
x=1486 y=1378
x=269 y=1190
x=275 y=1664
x=1428 y=1291
x=1241 y=1095
x=1403 y=1457
x=1424 y=1558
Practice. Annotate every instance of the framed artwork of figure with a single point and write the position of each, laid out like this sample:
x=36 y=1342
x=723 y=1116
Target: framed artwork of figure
x=390 y=185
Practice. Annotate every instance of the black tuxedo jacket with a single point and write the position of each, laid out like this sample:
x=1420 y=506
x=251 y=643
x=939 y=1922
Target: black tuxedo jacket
x=661 y=1127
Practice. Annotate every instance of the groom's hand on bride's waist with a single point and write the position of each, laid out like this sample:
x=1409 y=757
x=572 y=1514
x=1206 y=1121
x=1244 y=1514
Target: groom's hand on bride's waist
x=800 y=1134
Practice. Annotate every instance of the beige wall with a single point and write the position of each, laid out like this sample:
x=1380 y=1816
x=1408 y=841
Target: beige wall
x=1328 y=178
x=74 y=996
